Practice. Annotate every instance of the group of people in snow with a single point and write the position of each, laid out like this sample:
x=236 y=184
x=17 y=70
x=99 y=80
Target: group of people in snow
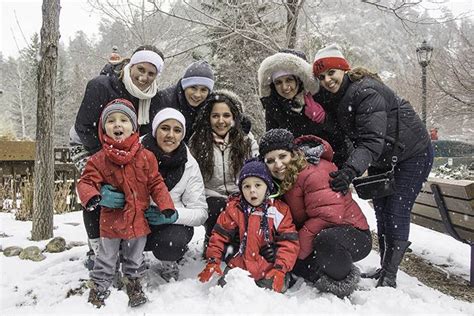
x=155 y=164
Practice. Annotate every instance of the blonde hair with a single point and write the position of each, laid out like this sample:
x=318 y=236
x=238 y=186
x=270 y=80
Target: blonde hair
x=293 y=169
x=360 y=72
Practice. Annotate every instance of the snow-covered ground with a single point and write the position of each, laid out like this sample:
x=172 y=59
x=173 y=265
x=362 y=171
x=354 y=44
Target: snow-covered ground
x=35 y=288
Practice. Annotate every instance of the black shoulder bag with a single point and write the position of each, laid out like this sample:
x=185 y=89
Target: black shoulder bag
x=379 y=185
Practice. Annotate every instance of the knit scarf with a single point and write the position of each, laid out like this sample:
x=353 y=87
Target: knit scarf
x=143 y=96
x=171 y=165
x=121 y=153
x=248 y=210
x=222 y=143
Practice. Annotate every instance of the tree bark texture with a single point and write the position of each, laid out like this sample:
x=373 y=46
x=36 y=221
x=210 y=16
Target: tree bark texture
x=44 y=164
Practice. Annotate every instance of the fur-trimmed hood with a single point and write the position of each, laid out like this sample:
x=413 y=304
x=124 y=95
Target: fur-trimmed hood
x=286 y=62
x=231 y=96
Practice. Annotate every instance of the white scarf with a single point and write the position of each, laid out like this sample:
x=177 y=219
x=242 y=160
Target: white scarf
x=143 y=96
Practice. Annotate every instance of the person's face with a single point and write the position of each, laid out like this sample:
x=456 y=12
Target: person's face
x=253 y=190
x=277 y=162
x=221 y=118
x=118 y=126
x=331 y=79
x=195 y=95
x=169 y=135
x=286 y=86
x=143 y=75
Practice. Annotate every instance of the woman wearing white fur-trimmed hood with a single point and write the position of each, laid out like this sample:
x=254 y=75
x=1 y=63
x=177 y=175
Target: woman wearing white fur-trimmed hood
x=286 y=90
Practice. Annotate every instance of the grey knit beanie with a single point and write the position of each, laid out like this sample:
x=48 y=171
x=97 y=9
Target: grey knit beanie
x=122 y=106
x=198 y=73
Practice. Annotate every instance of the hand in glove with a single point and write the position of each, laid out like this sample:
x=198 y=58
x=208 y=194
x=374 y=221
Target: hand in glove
x=342 y=179
x=211 y=267
x=278 y=279
x=155 y=217
x=111 y=198
x=246 y=124
x=269 y=252
x=93 y=203
x=313 y=109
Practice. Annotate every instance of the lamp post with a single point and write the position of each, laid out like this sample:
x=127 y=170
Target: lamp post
x=423 y=53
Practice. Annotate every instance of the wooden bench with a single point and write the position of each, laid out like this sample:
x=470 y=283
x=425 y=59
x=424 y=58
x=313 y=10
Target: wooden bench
x=447 y=206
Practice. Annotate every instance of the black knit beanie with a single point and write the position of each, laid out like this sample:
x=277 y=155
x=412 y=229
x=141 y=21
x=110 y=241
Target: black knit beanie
x=275 y=139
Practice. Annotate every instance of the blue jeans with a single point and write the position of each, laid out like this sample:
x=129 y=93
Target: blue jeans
x=393 y=212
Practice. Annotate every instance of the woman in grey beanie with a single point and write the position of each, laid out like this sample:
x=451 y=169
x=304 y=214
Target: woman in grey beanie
x=189 y=94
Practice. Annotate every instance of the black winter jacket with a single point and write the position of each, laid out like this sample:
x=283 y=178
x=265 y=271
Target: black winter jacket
x=100 y=91
x=367 y=112
x=278 y=116
x=173 y=97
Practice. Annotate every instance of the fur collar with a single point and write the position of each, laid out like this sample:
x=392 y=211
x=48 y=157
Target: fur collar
x=290 y=63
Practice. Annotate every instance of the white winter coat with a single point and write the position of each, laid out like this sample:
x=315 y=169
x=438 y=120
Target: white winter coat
x=223 y=183
x=188 y=195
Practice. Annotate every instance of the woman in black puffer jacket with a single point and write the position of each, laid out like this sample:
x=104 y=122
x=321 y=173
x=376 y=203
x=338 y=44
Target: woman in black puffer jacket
x=380 y=125
x=286 y=90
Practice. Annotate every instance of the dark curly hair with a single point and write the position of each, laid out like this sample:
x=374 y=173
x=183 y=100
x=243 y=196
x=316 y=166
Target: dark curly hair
x=202 y=142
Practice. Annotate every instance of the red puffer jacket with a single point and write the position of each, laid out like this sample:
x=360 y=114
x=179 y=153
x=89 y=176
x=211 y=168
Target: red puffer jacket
x=138 y=180
x=314 y=205
x=281 y=230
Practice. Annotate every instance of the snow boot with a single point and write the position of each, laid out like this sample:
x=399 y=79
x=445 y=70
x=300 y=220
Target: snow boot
x=169 y=270
x=94 y=244
x=341 y=288
x=394 y=251
x=308 y=269
x=376 y=274
x=136 y=297
x=96 y=297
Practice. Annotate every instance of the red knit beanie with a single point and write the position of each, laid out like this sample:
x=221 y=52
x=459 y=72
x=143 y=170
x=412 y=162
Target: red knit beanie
x=329 y=57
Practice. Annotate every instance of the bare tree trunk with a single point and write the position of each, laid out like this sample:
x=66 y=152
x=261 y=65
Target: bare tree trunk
x=44 y=164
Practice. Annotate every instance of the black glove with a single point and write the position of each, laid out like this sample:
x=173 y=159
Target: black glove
x=342 y=179
x=246 y=124
x=93 y=203
x=269 y=252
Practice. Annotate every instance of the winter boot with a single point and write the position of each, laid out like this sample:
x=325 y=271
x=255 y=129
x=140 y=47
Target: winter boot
x=97 y=297
x=308 y=269
x=94 y=244
x=135 y=293
x=169 y=270
x=376 y=274
x=341 y=288
x=394 y=251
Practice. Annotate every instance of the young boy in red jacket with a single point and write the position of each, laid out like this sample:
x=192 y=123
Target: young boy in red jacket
x=126 y=165
x=261 y=224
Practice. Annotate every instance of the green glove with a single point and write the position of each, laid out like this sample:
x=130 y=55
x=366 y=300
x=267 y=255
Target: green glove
x=155 y=217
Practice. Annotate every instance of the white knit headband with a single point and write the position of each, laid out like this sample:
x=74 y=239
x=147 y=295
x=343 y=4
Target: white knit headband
x=147 y=56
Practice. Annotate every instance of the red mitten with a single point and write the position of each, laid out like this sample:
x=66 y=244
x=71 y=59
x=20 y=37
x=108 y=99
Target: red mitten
x=313 y=109
x=278 y=279
x=209 y=270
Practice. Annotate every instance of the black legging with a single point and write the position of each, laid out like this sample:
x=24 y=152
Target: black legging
x=167 y=242
x=91 y=223
x=335 y=250
x=215 y=206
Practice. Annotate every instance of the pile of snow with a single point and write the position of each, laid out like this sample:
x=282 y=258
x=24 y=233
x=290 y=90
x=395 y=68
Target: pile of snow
x=34 y=288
